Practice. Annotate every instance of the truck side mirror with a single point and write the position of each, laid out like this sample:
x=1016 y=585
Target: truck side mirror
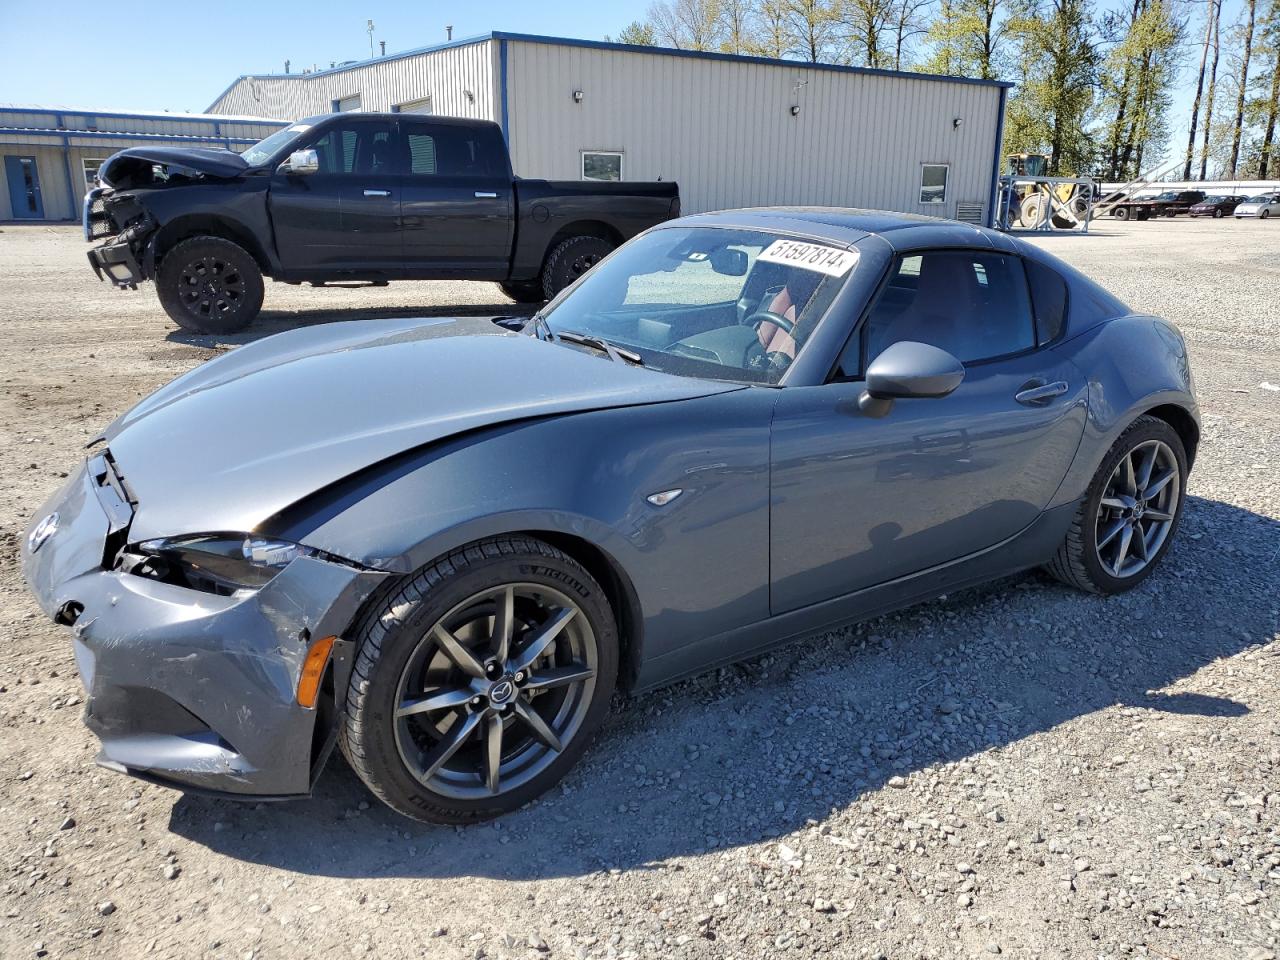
x=301 y=163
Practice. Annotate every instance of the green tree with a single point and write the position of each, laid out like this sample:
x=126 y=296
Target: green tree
x=640 y=34
x=1252 y=8
x=1051 y=111
x=968 y=38
x=1271 y=106
x=864 y=24
x=687 y=24
x=1136 y=84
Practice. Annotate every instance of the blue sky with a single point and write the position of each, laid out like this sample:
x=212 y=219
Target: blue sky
x=180 y=56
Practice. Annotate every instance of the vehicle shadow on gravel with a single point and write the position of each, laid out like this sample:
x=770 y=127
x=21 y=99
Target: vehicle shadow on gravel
x=269 y=322
x=755 y=751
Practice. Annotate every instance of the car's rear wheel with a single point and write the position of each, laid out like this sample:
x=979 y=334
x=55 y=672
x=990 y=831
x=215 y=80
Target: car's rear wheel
x=1264 y=214
x=569 y=260
x=530 y=292
x=1120 y=213
x=1127 y=520
x=1217 y=213
x=209 y=285
x=480 y=681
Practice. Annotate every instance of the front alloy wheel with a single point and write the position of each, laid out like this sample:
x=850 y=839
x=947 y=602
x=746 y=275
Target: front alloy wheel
x=479 y=682
x=495 y=690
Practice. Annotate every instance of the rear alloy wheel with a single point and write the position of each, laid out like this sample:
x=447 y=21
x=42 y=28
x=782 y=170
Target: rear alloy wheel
x=480 y=683
x=210 y=285
x=571 y=259
x=1217 y=213
x=1128 y=519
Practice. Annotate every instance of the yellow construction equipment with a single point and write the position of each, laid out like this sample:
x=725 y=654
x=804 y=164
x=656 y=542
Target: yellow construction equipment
x=1030 y=201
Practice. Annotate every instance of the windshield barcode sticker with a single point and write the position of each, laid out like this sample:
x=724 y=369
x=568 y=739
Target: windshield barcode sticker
x=810 y=256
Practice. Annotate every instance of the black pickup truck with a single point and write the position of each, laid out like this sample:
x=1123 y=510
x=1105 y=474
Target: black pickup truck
x=350 y=197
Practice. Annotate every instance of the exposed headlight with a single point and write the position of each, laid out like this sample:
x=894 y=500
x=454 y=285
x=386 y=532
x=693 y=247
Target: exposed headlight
x=217 y=562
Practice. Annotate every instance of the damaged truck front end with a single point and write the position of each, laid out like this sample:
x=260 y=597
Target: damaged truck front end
x=118 y=211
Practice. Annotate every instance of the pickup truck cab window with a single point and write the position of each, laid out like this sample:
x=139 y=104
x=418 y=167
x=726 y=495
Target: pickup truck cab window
x=356 y=148
x=436 y=149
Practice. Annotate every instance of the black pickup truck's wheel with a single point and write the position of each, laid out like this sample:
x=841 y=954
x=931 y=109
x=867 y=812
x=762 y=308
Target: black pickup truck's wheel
x=530 y=292
x=209 y=285
x=571 y=259
x=480 y=681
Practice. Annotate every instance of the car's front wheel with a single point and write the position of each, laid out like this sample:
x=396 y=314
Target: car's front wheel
x=210 y=285
x=1130 y=514
x=480 y=681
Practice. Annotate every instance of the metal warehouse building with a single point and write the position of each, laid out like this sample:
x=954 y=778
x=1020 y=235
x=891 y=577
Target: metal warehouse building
x=734 y=131
x=50 y=156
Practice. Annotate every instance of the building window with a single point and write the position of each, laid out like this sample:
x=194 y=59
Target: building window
x=349 y=104
x=933 y=183
x=601 y=165
x=91 y=165
x=414 y=106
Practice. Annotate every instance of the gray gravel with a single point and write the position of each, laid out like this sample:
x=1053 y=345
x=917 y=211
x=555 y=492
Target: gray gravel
x=1016 y=770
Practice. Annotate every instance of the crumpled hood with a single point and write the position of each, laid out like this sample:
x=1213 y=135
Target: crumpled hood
x=218 y=163
x=245 y=435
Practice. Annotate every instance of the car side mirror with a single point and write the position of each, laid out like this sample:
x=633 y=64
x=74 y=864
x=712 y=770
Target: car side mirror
x=909 y=370
x=301 y=163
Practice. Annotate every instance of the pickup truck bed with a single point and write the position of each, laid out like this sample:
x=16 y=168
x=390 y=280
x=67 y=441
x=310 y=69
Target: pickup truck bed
x=351 y=197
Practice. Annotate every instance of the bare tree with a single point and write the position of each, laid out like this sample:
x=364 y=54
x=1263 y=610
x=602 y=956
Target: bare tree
x=687 y=24
x=1244 y=87
x=1195 y=104
x=811 y=27
x=1273 y=101
x=864 y=23
x=770 y=34
x=1213 y=87
x=735 y=25
x=908 y=23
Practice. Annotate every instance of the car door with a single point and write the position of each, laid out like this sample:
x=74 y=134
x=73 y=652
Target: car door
x=857 y=500
x=345 y=217
x=457 y=202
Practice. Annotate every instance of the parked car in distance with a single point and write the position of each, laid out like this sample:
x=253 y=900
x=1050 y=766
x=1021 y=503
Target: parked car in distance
x=1168 y=204
x=443 y=543
x=351 y=197
x=1216 y=206
x=1262 y=206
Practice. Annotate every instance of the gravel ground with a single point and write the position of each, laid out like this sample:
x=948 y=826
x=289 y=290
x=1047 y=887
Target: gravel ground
x=1017 y=770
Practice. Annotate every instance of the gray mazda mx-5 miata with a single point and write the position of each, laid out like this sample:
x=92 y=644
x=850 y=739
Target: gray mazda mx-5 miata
x=441 y=544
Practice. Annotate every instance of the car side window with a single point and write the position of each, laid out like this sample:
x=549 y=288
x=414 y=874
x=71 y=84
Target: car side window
x=973 y=304
x=357 y=148
x=1048 y=300
x=437 y=149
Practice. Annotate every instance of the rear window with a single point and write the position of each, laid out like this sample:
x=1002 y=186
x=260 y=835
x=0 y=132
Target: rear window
x=1048 y=300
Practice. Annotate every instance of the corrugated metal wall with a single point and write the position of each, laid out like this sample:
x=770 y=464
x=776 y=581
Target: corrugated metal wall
x=724 y=129
x=444 y=75
x=61 y=140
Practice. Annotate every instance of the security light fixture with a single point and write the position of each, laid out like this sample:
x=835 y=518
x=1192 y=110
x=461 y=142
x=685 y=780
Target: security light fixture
x=955 y=124
x=795 y=109
x=577 y=96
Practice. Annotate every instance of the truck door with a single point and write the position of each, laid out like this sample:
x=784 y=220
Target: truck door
x=344 y=218
x=457 y=203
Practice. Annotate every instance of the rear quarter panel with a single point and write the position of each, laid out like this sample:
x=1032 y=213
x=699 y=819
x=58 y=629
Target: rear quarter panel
x=1132 y=365
x=548 y=210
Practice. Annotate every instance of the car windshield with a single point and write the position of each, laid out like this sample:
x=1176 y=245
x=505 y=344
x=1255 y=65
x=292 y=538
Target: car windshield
x=706 y=301
x=1262 y=198
x=265 y=149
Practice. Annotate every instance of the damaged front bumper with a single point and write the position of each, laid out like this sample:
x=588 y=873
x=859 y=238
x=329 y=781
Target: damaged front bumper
x=194 y=690
x=128 y=256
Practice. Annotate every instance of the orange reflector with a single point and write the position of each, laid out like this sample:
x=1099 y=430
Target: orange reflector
x=313 y=671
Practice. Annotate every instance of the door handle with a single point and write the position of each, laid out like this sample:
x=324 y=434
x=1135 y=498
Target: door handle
x=1037 y=392
x=486 y=195
x=377 y=193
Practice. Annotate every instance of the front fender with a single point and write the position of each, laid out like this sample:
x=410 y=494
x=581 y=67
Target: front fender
x=698 y=566
x=1135 y=364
